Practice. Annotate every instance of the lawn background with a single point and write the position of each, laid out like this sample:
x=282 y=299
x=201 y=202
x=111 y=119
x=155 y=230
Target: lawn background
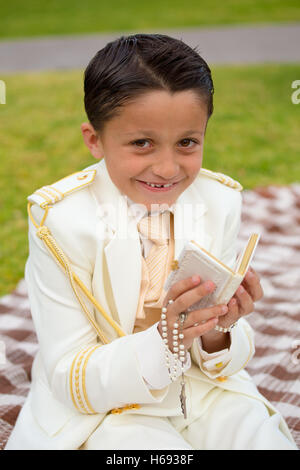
x=253 y=134
x=41 y=18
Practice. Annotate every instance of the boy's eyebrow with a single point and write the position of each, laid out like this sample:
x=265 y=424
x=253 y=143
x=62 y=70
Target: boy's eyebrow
x=142 y=131
x=138 y=130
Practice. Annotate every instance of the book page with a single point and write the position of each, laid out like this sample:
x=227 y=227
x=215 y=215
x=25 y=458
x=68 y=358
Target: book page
x=245 y=257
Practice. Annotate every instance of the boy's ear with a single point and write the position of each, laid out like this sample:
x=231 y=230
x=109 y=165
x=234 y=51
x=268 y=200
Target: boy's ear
x=92 y=140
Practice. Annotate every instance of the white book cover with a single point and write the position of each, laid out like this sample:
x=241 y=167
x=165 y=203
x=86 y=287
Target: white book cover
x=194 y=259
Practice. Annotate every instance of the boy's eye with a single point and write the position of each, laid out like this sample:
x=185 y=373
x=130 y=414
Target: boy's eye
x=140 y=143
x=186 y=141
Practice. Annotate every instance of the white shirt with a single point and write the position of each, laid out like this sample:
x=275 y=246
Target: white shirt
x=151 y=351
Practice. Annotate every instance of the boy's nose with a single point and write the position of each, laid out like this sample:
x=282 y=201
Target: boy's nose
x=166 y=166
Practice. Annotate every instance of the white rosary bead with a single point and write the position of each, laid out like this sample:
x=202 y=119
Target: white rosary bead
x=175 y=358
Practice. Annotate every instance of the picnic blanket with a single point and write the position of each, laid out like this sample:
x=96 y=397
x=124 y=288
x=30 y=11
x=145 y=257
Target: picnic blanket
x=274 y=211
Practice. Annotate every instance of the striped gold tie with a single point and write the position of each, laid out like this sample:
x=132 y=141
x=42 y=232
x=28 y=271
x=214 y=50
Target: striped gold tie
x=156 y=229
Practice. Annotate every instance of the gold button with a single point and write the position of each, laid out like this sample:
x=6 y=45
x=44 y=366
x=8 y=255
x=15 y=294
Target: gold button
x=174 y=264
x=219 y=364
x=222 y=378
x=82 y=177
x=133 y=406
x=115 y=411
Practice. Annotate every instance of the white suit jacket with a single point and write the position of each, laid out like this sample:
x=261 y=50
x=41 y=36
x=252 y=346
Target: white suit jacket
x=76 y=380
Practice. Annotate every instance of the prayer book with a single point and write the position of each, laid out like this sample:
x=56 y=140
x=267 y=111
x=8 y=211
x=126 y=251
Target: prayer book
x=194 y=259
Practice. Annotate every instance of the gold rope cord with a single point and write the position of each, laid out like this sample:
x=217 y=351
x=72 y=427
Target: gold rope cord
x=44 y=234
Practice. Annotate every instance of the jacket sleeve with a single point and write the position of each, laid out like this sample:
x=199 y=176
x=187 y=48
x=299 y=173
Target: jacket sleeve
x=81 y=371
x=242 y=348
x=227 y=362
x=151 y=351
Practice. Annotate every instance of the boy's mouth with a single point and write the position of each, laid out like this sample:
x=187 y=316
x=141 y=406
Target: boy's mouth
x=157 y=187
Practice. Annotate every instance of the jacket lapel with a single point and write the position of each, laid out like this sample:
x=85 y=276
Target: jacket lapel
x=190 y=220
x=123 y=252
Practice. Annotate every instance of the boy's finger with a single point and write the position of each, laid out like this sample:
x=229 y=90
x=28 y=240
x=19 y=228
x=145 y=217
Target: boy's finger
x=201 y=329
x=192 y=296
x=205 y=314
x=252 y=283
x=245 y=300
x=233 y=312
x=180 y=287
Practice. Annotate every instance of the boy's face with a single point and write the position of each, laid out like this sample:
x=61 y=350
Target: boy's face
x=159 y=139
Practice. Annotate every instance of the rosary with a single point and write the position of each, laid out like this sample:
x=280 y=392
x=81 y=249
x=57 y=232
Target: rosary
x=178 y=352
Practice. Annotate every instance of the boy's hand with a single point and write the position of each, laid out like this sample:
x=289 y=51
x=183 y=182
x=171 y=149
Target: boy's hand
x=242 y=303
x=185 y=293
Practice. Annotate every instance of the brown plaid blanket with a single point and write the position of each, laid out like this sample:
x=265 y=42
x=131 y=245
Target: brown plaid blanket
x=273 y=211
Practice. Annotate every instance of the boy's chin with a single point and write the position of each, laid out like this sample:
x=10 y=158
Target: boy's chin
x=152 y=205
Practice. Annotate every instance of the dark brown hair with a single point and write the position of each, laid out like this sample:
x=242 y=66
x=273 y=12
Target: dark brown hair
x=132 y=65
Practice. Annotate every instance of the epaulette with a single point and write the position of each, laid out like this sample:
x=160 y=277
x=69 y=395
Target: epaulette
x=48 y=195
x=224 y=179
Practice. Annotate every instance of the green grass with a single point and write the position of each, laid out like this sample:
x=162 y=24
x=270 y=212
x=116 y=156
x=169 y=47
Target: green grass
x=253 y=136
x=254 y=132
x=36 y=18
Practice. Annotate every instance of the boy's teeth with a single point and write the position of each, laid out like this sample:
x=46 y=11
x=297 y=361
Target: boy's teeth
x=159 y=185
